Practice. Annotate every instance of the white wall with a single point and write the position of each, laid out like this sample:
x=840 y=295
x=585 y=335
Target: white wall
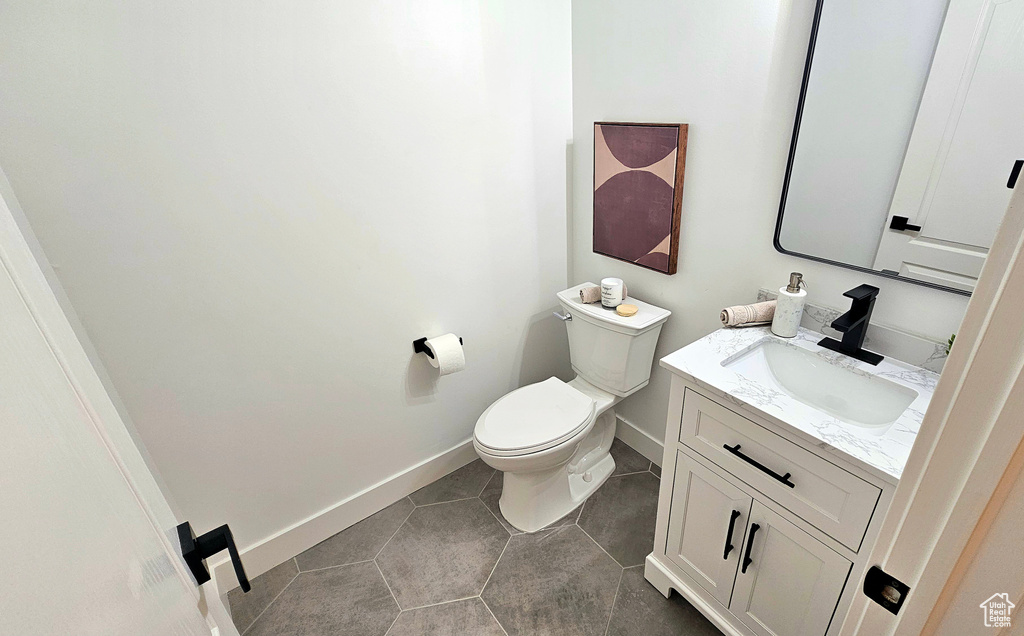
x=731 y=70
x=255 y=208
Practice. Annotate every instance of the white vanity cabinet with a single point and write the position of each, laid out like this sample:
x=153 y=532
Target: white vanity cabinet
x=758 y=528
x=707 y=526
x=793 y=581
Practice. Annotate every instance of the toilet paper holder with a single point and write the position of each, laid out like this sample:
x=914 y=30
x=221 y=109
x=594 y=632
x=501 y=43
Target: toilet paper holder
x=420 y=346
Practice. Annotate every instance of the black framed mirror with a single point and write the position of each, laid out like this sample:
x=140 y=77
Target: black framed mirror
x=904 y=140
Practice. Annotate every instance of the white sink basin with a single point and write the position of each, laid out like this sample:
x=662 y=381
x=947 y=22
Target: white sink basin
x=854 y=396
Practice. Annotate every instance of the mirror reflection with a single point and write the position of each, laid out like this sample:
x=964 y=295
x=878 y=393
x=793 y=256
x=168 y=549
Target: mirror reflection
x=906 y=137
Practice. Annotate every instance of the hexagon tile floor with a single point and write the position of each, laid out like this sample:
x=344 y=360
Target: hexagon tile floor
x=443 y=562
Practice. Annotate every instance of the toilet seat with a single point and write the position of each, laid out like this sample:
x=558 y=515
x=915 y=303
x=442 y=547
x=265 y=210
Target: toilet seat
x=534 y=418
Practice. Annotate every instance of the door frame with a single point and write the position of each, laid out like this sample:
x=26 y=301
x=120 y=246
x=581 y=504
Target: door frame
x=23 y=259
x=972 y=430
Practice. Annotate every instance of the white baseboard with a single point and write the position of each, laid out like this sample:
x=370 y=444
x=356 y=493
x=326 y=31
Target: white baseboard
x=639 y=441
x=278 y=548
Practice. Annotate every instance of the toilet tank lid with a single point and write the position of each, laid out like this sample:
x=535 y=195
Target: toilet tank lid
x=647 y=316
x=533 y=416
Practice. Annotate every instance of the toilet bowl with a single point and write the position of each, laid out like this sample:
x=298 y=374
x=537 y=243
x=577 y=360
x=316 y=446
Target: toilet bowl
x=552 y=439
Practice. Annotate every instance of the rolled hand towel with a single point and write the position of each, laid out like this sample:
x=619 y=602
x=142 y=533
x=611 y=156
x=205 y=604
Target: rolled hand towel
x=758 y=313
x=592 y=294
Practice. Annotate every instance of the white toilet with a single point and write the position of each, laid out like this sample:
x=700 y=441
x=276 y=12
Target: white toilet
x=551 y=439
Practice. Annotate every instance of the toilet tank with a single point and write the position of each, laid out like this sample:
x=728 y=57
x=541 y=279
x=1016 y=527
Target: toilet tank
x=610 y=351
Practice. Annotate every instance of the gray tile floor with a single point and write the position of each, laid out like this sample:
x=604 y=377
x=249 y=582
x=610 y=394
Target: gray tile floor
x=443 y=562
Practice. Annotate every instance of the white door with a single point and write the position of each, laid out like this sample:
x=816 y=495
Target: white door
x=707 y=519
x=86 y=541
x=948 y=513
x=791 y=583
x=966 y=138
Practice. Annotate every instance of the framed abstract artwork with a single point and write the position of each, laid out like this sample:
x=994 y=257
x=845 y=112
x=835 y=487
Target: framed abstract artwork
x=638 y=192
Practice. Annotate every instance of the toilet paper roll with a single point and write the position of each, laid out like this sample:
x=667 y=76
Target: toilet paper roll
x=448 y=355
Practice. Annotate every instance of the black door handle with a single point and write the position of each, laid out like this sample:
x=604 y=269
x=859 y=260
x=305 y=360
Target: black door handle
x=1014 y=173
x=750 y=544
x=195 y=550
x=902 y=224
x=735 y=450
x=728 y=537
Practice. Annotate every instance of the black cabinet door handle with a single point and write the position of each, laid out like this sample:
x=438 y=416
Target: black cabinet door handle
x=1014 y=173
x=735 y=450
x=750 y=544
x=902 y=224
x=728 y=537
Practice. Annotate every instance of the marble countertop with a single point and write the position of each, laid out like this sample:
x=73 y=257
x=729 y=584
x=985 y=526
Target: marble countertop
x=883 y=454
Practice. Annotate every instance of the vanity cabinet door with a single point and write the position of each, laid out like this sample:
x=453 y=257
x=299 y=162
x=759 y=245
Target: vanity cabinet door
x=706 y=526
x=792 y=582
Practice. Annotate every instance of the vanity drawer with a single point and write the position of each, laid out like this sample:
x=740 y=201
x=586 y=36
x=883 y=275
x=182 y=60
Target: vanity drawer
x=834 y=500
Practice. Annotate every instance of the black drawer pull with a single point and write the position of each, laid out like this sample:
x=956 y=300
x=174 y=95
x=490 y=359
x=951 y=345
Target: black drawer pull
x=735 y=450
x=750 y=544
x=728 y=537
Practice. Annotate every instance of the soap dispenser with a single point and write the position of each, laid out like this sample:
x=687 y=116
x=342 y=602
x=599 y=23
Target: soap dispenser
x=790 y=307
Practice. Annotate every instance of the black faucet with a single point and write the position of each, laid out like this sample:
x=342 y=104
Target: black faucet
x=854 y=324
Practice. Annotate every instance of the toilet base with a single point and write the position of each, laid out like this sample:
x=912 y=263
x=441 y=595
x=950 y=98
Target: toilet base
x=533 y=500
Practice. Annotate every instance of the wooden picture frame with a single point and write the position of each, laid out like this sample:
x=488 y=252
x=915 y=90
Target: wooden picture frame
x=638 y=192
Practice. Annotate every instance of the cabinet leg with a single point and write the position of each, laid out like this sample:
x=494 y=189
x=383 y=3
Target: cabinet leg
x=657 y=577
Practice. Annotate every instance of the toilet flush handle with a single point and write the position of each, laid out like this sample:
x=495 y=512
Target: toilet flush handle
x=567 y=317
